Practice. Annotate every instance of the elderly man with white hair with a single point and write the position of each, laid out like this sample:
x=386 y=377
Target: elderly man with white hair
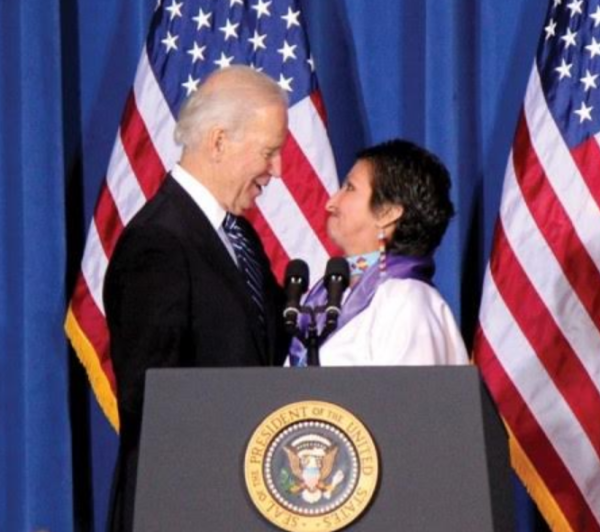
x=189 y=284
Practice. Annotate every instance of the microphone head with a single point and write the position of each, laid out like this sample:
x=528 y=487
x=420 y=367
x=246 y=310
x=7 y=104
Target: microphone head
x=337 y=268
x=297 y=270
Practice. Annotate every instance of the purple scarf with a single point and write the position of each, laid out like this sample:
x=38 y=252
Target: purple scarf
x=397 y=267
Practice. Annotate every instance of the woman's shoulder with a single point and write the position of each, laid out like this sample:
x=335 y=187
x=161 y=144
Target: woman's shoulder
x=394 y=289
x=429 y=320
x=412 y=299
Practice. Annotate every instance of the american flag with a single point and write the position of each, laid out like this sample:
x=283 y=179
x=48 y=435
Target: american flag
x=187 y=40
x=538 y=345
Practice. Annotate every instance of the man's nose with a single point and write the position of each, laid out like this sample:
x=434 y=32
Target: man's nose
x=275 y=165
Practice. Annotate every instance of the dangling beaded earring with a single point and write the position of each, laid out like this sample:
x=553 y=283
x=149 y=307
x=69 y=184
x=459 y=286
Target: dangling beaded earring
x=382 y=254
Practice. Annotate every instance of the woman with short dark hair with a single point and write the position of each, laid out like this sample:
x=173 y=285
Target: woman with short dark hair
x=388 y=218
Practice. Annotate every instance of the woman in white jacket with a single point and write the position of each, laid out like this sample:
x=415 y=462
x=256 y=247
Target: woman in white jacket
x=388 y=218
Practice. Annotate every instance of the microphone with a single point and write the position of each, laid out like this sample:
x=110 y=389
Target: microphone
x=337 y=279
x=296 y=283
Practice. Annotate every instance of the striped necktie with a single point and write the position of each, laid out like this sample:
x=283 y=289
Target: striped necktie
x=247 y=263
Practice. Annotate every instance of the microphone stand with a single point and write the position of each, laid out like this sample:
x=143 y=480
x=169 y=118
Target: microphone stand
x=313 y=340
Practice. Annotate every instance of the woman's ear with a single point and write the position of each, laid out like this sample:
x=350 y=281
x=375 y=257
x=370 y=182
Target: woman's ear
x=389 y=215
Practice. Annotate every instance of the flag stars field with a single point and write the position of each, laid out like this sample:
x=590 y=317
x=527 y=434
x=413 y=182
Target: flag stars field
x=220 y=34
x=578 y=66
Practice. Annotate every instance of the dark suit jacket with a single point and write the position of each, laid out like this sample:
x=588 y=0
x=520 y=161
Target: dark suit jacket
x=175 y=298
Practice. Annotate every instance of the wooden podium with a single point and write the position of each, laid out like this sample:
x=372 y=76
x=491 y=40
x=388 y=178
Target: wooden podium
x=442 y=450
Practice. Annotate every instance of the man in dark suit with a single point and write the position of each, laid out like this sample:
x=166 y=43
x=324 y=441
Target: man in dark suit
x=189 y=284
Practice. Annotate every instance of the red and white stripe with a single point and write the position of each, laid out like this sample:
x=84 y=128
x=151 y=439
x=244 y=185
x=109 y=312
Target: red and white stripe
x=290 y=217
x=538 y=345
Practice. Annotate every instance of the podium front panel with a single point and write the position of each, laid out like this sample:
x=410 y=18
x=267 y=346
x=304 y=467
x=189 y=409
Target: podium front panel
x=442 y=450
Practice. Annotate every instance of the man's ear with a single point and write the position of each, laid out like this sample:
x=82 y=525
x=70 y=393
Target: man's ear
x=216 y=138
x=389 y=215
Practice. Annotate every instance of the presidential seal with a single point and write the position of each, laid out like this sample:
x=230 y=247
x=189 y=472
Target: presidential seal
x=311 y=466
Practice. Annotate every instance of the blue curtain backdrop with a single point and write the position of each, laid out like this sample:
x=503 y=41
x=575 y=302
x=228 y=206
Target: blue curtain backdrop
x=447 y=74
x=35 y=432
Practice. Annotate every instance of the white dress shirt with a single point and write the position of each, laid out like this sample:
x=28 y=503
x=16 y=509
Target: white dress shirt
x=206 y=202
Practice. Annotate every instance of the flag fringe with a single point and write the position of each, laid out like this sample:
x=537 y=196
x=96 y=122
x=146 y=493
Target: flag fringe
x=535 y=486
x=90 y=361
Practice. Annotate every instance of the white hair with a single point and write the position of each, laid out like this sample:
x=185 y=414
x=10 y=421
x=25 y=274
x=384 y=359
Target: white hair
x=228 y=98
